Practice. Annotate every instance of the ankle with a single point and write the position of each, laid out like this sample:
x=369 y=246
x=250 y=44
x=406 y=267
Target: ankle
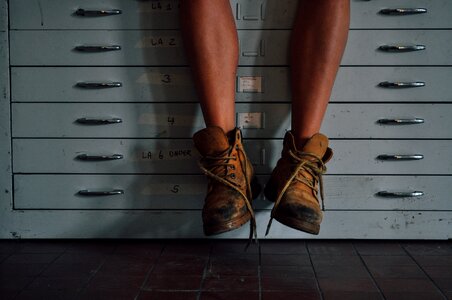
x=300 y=141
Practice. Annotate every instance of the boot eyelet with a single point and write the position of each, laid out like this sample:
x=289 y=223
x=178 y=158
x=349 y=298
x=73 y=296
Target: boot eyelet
x=232 y=167
x=237 y=147
x=232 y=175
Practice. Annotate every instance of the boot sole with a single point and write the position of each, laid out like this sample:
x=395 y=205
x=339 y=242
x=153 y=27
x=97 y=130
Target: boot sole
x=309 y=227
x=312 y=228
x=213 y=229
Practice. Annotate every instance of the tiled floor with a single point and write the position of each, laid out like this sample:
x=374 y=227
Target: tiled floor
x=220 y=269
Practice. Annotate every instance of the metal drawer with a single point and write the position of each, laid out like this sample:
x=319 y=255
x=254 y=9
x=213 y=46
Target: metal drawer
x=139 y=191
x=388 y=192
x=342 y=192
x=256 y=47
x=367 y=15
x=163 y=156
x=271 y=14
x=87 y=191
x=174 y=84
x=258 y=120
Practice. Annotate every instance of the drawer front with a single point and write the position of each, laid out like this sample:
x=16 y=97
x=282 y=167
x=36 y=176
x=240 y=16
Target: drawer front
x=379 y=84
x=138 y=191
x=368 y=14
x=153 y=155
x=83 y=191
x=271 y=14
x=138 y=84
x=188 y=192
x=63 y=14
x=174 y=84
x=181 y=120
x=388 y=192
x=256 y=48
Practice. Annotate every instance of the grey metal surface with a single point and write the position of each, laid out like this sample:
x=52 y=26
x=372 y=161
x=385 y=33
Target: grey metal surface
x=174 y=84
x=256 y=47
x=47 y=177
x=361 y=192
x=48 y=191
x=6 y=185
x=187 y=224
x=182 y=120
x=3 y=15
x=178 y=156
x=270 y=14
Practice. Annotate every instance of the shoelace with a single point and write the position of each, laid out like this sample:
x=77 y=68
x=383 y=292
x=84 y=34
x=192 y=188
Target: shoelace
x=225 y=157
x=302 y=163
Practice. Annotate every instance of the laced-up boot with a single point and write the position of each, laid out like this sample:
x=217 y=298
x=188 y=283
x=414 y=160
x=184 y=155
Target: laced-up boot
x=295 y=181
x=231 y=181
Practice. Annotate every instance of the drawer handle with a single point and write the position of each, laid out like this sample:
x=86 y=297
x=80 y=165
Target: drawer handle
x=99 y=157
x=95 y=13
x=100 y=193
x=96 y=121
x=400 y=157
x=98 y=85
x=398 y=85
x=387 y=194
x=402 y=11
x=401 y=121
x=97 y=48
x=402 y=48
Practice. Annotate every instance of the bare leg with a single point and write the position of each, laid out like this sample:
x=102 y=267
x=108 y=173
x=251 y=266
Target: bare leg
x=317 y=44
x=211 y=43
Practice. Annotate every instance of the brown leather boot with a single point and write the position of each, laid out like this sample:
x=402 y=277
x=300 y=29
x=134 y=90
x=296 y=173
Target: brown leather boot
x=232 y=184
x=294 y=183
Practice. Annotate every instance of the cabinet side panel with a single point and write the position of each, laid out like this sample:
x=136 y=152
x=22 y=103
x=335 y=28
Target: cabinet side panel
x=5 y=129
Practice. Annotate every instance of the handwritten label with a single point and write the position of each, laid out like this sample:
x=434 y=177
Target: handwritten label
x=174 y=189
x=159 y=6
x=250 y=120
x=170 y=120
x=165 y=79
x=158 y=42
x=166 y=154
x=249 y=84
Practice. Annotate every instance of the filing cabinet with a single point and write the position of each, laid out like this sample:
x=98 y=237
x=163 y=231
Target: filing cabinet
x=98 y=109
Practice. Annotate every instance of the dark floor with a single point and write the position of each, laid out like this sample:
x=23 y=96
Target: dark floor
x=219 y=269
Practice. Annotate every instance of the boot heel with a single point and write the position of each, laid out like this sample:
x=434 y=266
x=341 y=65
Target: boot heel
x=256 y=187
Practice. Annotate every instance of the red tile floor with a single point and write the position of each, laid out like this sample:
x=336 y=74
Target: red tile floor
x=220 y=269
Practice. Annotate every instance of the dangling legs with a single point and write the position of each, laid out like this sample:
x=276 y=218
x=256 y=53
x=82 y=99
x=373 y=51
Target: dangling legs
x=211 y=43
x=317 y=43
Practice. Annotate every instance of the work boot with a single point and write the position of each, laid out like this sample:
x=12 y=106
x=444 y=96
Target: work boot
x=232 y=184
x=294 y=183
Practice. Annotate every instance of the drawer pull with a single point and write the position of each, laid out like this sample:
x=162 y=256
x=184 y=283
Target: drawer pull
x=401 y=48
x=398 y=85
x=95 y=13
x=400 y=157
x=98 y=85
x=96 y=121
x=99 y=157
x=402 y=11
x=401 y=121
x=100 y=193
x=97 y=48
x=387 y=194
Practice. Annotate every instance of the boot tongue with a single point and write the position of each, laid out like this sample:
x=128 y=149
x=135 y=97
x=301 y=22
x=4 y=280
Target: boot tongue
x=211 y=141
x=317 y=144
